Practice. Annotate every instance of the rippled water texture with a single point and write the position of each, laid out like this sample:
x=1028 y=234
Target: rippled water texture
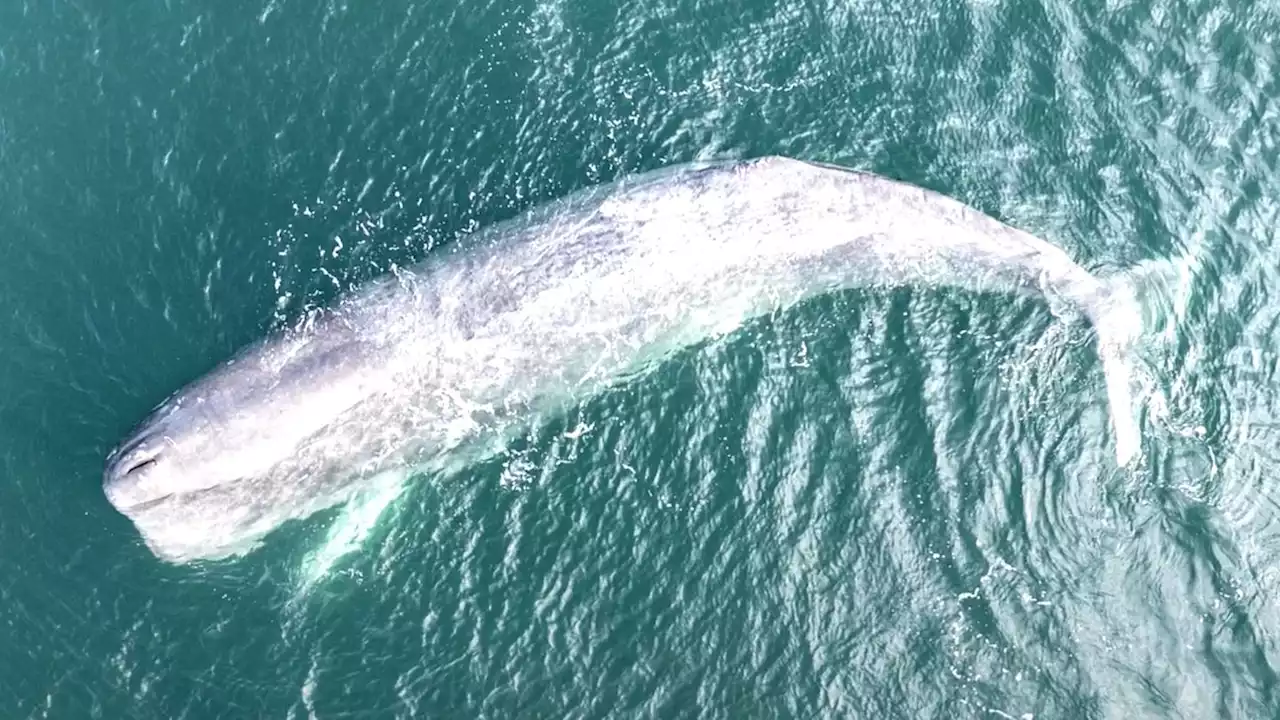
x=877 y=505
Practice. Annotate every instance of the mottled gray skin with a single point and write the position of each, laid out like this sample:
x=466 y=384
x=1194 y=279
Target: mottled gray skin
x=531 y=314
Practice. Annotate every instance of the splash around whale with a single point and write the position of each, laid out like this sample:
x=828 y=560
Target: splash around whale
x=528 y=315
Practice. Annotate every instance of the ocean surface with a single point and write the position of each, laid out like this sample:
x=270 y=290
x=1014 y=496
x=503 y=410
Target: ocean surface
x=897 y=504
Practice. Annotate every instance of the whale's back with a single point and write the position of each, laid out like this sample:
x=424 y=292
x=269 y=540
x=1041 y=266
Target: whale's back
x=662 y=259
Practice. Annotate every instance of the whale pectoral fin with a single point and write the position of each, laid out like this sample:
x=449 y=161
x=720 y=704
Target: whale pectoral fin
x=355 y=523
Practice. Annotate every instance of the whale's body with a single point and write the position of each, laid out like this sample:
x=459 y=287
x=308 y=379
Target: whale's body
x=530 y=314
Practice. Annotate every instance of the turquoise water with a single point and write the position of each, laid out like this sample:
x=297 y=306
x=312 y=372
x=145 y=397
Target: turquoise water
x=877 y=505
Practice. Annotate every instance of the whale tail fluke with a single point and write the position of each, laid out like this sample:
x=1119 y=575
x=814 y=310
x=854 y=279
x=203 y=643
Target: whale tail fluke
x=1152 y=296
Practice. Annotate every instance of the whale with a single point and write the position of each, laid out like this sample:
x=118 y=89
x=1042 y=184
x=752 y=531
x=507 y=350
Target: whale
x=519 y=320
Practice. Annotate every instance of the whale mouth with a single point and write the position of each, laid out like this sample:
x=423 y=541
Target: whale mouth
x=146 y=505
x=132 y=506
x=128 y=503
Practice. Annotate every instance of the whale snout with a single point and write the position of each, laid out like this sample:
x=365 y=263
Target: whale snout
x=128 y=470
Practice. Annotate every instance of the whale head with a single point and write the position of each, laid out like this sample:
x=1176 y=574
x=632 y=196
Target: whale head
x=258 y=436
x=155 y=461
